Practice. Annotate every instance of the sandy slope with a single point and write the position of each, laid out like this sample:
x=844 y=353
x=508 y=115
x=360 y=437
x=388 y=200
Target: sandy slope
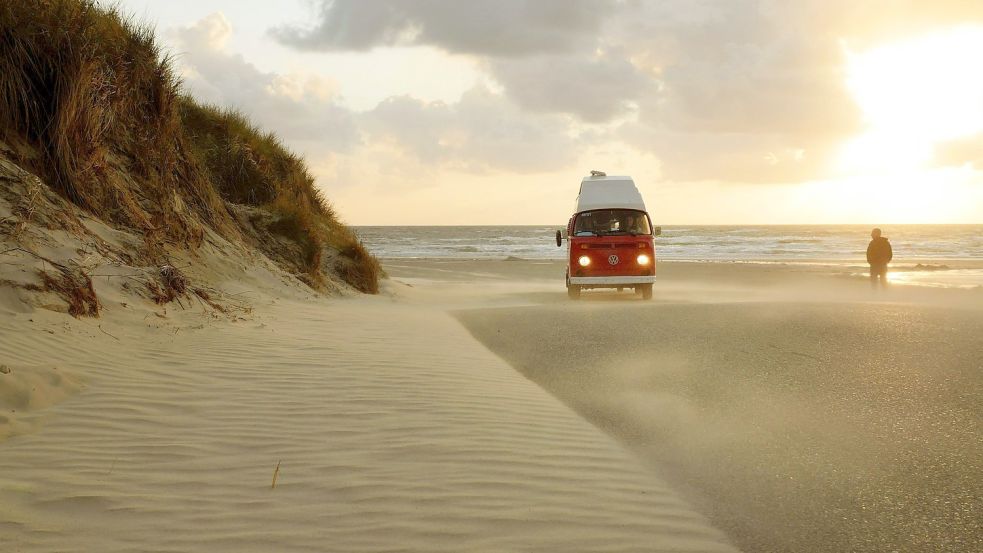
x=394 y=430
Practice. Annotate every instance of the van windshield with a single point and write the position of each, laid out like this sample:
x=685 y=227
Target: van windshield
x=606 y=222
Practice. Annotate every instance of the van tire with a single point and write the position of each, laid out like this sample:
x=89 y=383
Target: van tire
x=646 y=291
x=573 y=291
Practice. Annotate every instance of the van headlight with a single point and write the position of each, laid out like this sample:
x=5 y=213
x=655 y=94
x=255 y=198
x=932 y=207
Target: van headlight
x=584 y=261
x=643 y=259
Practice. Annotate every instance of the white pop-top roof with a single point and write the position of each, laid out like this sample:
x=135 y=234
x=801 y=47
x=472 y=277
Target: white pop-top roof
x=603 y=192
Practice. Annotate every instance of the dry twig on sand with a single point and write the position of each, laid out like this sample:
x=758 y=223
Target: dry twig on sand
x=108 y=334
x=276 y=473
x=36 y=255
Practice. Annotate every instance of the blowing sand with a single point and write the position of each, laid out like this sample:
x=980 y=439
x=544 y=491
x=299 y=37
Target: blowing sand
x=799 y=411
x=774 y=410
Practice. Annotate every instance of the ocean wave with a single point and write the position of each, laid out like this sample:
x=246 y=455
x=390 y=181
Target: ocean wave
x=936 y=243
x=926 y=267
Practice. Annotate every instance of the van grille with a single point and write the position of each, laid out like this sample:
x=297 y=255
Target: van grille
x=614 y=245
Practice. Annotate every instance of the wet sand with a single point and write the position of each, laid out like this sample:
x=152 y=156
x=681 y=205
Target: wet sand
x=798 y=410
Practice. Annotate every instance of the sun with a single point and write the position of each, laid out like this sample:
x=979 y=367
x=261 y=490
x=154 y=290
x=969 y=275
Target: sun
x=914 y=94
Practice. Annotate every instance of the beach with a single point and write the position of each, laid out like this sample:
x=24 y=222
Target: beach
x=472 y=407
x=322 y=276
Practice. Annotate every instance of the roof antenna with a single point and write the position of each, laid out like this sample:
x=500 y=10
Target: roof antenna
x=598 y=174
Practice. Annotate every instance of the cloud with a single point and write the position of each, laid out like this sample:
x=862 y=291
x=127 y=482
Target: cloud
x=754 y=90
x=300 y=109
x=764 y=66
x=543 y=52
x=481 y=133
x=737 y=157
x=685 y=70
x=748 y=94
x=482 y=27
x=749 y=91
x=404 y=138
x=595 y=88
x=962 y=152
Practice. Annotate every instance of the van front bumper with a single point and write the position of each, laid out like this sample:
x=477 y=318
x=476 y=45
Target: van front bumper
x=612 y=280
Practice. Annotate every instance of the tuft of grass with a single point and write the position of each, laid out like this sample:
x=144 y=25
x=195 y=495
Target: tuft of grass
x=171 y=286
x=356 y=265
x=246 y=165
x=91 y=91
x=298 y=222
x=75 y=287
x=254 y=168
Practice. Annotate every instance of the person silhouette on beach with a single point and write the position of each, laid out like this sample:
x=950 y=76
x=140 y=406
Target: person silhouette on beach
x=879 y=254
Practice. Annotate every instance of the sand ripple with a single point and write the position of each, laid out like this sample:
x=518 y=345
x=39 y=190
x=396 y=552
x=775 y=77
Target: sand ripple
x=395 y=432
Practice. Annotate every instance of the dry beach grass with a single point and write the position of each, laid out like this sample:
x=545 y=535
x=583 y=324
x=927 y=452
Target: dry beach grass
x=89 y=103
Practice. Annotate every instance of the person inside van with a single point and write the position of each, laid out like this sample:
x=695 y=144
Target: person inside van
x=602 y=225
x=614 y=224
x=636 y=224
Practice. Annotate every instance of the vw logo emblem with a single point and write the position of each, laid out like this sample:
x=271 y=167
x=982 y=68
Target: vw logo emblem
x=613 y=259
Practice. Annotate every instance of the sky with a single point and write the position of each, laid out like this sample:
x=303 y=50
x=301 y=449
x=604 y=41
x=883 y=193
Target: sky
x=431 y=112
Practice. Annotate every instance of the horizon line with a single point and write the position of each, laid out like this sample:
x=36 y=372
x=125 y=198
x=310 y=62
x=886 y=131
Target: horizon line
x=699 y=225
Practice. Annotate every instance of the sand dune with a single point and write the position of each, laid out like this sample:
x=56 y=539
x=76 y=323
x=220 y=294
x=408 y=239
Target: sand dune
x=393 y=428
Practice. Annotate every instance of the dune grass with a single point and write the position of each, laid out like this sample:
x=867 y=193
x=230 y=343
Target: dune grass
x=253 y=168
x=90 y=91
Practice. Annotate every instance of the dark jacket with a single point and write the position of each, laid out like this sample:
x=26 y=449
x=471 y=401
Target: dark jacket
x=879 y=252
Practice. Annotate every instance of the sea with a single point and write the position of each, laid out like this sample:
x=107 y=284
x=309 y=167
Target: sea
x=928 y=255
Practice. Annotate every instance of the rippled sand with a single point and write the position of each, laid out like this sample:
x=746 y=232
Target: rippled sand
x=393 y=429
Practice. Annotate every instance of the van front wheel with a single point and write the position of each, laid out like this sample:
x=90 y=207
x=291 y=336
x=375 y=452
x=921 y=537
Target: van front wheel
x=646 y=291
x=573 y=291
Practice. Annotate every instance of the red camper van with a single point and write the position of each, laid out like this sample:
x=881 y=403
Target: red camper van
x=609 y=238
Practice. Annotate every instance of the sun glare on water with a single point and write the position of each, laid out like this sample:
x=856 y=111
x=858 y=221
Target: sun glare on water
x=914 y=94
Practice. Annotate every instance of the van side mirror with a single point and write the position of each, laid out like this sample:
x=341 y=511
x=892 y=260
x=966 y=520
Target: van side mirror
x=559 y=239
x=657 y=231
